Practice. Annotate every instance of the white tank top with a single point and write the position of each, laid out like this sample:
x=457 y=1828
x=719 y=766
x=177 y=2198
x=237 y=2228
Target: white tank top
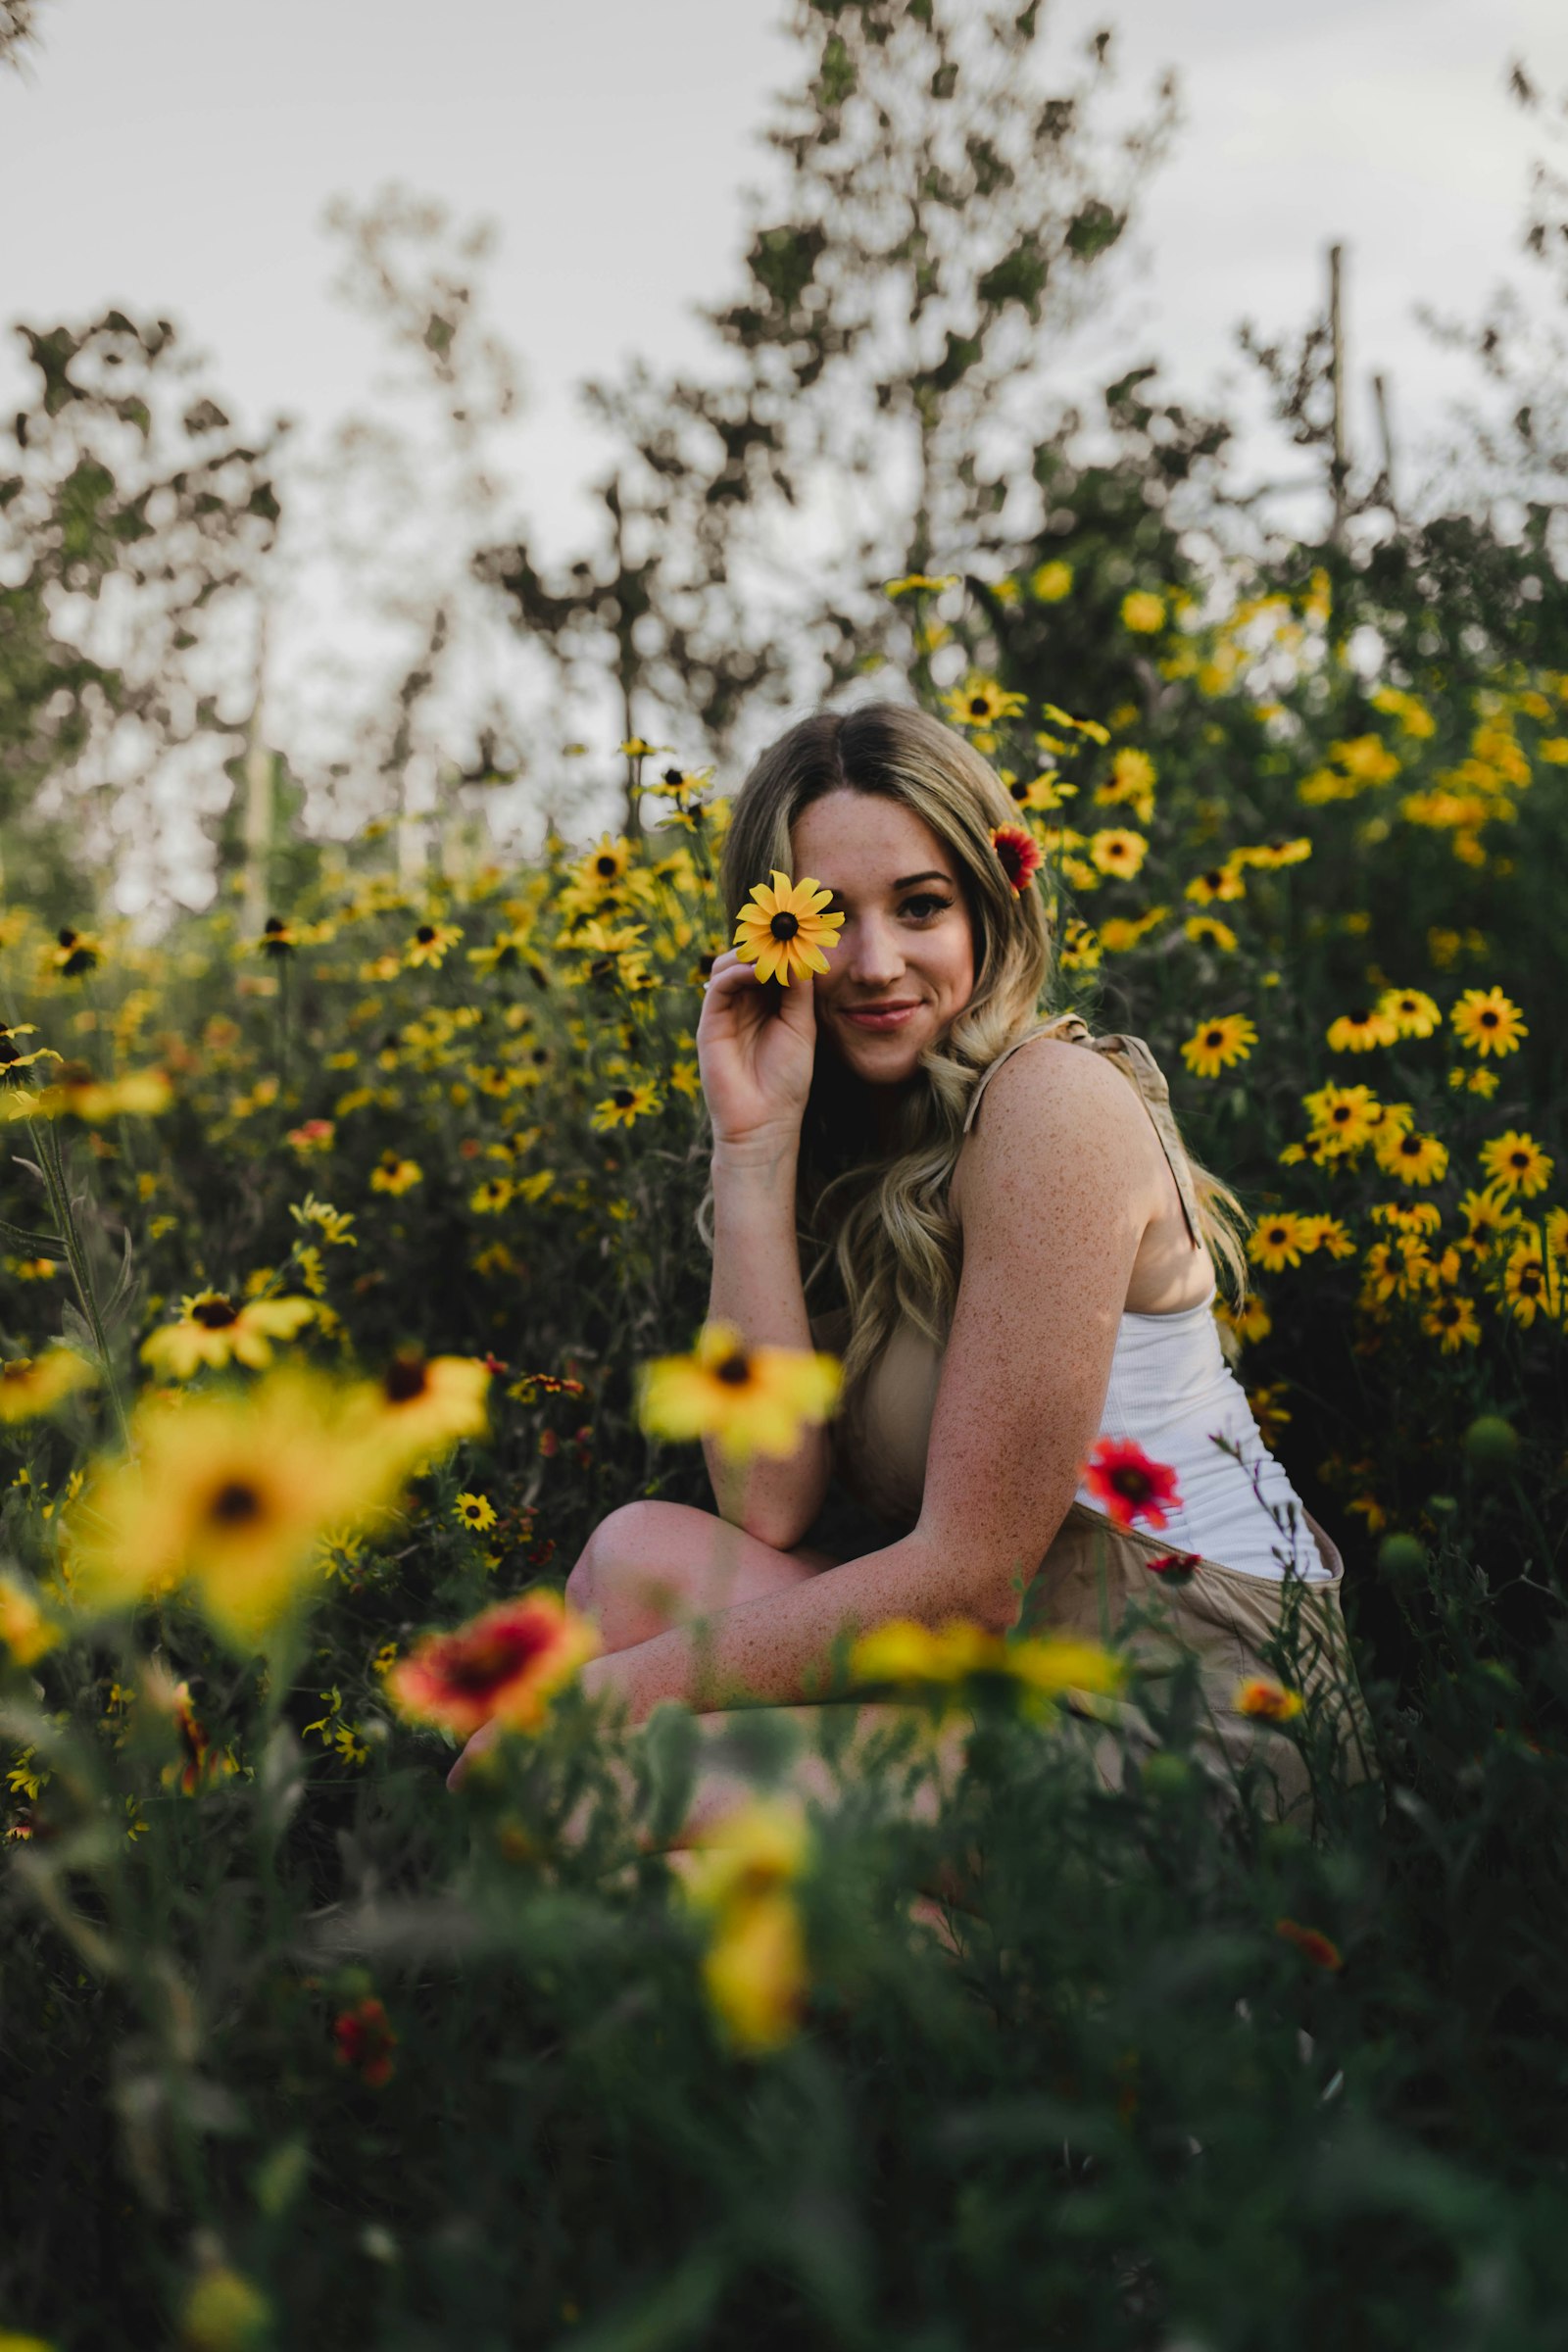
x=1171 y=1391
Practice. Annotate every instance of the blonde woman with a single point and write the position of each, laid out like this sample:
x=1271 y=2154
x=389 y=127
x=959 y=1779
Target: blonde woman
x=1018 y=1257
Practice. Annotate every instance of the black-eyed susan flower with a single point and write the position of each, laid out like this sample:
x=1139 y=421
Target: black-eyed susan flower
x=74 y=1093
x=476 y=1510
x=228 y=1493
x=1532 y=1281
x=1215 y=1045
x=1414 y=1158
x=1036 y=796
x=1266 y=1700
x=1250 y=1322
x=1408 y=1216
x=920 y=583
x=1345 y=1116
x=279 y=939
x=1208 y=931
x=1128 y=1484
x=1452 y=1321
x=1089 y=727
x=1018 y=853
x=1118 y=851
x=739 y=1879
x=489 y=1198
x=1413 y=1012
x=1268 y=857
x=604 y=866
x=74 y=954
x=1358 y=1032
x=505 y=1664
x=749 y=1400
x=1049 y=582
x=784 y=931
x=1142 y=612
x=980 y=702
x=1488 y=1020
x=211 y=1330
x=1516 y=1164
x=430 y=945
x=1223 y=882
x=624 y=1105
x=1131 y=782
x=14 y=1057
x=30 y=1386
x=422 y=1404
x=1277 y=1242
x=394 y=1174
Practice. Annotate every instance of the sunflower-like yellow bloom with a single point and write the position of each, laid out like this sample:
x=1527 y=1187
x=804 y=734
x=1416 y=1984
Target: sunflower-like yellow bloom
x=784 y=932
x=213 y=1330
x=25 y=1628
x=35 y=1384
x=228 y=1493
x=742 y=1877
x=749 y=1400
x=421 y=1405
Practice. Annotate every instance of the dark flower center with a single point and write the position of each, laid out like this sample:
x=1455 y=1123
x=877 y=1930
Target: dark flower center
x=1530 y=1280
x=1214 y=1037
x=8 y=1051
x=425 y=934
x=978 y=705
x=1488 y=1020
x=235 y=1502
x=216 y=1314
x=67 y=937
x=735 y=1370
x=672 y=775
x=604 y=866
x=624 y=1098
x=406 y=1377
x=1132 y=1484
x=784 y=925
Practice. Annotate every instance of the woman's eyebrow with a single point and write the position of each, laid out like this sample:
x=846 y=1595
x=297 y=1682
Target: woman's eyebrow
x=932 y=874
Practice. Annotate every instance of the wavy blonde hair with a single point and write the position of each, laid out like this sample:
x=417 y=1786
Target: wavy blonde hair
x=883 y=1225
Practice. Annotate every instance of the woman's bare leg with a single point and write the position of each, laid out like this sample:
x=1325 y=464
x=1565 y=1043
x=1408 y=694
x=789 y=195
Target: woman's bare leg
x=652 y=1565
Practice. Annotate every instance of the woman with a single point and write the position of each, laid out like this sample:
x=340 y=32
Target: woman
x=1008 y=1288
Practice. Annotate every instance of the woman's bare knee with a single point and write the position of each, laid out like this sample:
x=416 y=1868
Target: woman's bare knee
x=651 y=1565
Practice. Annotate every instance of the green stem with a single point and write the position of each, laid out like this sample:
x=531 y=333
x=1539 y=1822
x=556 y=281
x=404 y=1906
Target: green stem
x=46 y=1143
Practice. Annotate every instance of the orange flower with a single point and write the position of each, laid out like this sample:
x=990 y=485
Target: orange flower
x=1318 y=1949
x=1129 y=1486
x=508 y=1662
x=1262 y=1696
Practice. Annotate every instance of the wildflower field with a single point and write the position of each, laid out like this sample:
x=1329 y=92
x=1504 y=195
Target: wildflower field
x=333 y=1252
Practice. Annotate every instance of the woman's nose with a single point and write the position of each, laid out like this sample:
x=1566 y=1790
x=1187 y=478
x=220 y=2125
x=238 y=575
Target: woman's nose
x=875 y=958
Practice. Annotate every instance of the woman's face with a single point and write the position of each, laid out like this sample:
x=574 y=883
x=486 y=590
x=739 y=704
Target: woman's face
x=904 y=967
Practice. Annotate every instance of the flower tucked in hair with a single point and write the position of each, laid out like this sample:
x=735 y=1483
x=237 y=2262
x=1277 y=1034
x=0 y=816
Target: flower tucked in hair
x=1019 y=853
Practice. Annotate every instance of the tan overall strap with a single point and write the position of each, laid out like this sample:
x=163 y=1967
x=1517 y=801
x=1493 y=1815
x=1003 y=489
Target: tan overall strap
x=1132 y=1057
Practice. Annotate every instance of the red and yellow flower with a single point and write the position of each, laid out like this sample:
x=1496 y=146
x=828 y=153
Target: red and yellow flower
x=505 y=1664
x=1128 y=1486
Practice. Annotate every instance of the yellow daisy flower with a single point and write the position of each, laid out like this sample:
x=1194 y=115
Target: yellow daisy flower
x=1343 y=1117
x=1487 y=1218
x=1412 y=1157
x=1532 y=1282
x=1413 y=1012
x=430 y=945
x=1359 y=1031
x=1488 y=1020
x=395 y=1175
x=1515 y=1164
x=1142 y=612
x=213 y=1330
x=475 y=1511
x=784 y=931
x=1278 y=1241
x=1208 y=931
x=35 y=1384
x=1219 y=882
x=1118 y=851
x=749 y=1400
x=980 y=702
x=1214 y=1044
x=1452 y=1320
x=623 y=1107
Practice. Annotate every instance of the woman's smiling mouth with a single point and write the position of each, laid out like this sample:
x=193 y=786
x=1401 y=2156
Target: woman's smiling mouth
x=878 y=1018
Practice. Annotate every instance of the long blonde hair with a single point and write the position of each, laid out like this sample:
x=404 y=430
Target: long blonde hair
x=884 y=1226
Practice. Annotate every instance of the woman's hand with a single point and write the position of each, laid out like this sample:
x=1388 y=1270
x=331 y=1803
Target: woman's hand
x=756 y=1048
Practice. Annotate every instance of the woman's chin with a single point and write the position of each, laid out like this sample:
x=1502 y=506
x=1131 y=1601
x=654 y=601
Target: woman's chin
x=881 y=1061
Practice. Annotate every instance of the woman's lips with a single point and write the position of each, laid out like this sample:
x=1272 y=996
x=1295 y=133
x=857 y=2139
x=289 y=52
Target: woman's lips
x=878 y=1018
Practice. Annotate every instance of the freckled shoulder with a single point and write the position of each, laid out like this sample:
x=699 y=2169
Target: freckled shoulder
x=1055 y=1106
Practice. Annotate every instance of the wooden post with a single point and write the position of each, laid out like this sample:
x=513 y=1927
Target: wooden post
x=1340 y=466
x=1386 y=431
x=258 y=799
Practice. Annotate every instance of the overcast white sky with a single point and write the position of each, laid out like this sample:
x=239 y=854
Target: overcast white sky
x=175 y=156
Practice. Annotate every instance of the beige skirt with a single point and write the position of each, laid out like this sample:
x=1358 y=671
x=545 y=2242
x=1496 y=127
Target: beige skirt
x=1096 y=1582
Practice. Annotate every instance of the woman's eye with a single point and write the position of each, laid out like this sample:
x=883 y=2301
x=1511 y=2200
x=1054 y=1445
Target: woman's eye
x=924 y=904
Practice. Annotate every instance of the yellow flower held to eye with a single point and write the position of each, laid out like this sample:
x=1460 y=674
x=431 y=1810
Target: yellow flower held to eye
x=749 y=1400
x=784 y=931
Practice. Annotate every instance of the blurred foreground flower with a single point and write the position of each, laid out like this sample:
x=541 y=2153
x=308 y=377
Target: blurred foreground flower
x=213 y=1330
x=741 y=1876
x=1261 y=1695
x=31 y=1385
x=229 y=1492
x=904 y=1651
x=422 y=1404
x=364 y=2039
x=507 y=1663
x=1129 y=1486
x=747 y=1400
x=784 y=932
x=1317 y=1948
x=77 y=1094
x=24 y=1628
